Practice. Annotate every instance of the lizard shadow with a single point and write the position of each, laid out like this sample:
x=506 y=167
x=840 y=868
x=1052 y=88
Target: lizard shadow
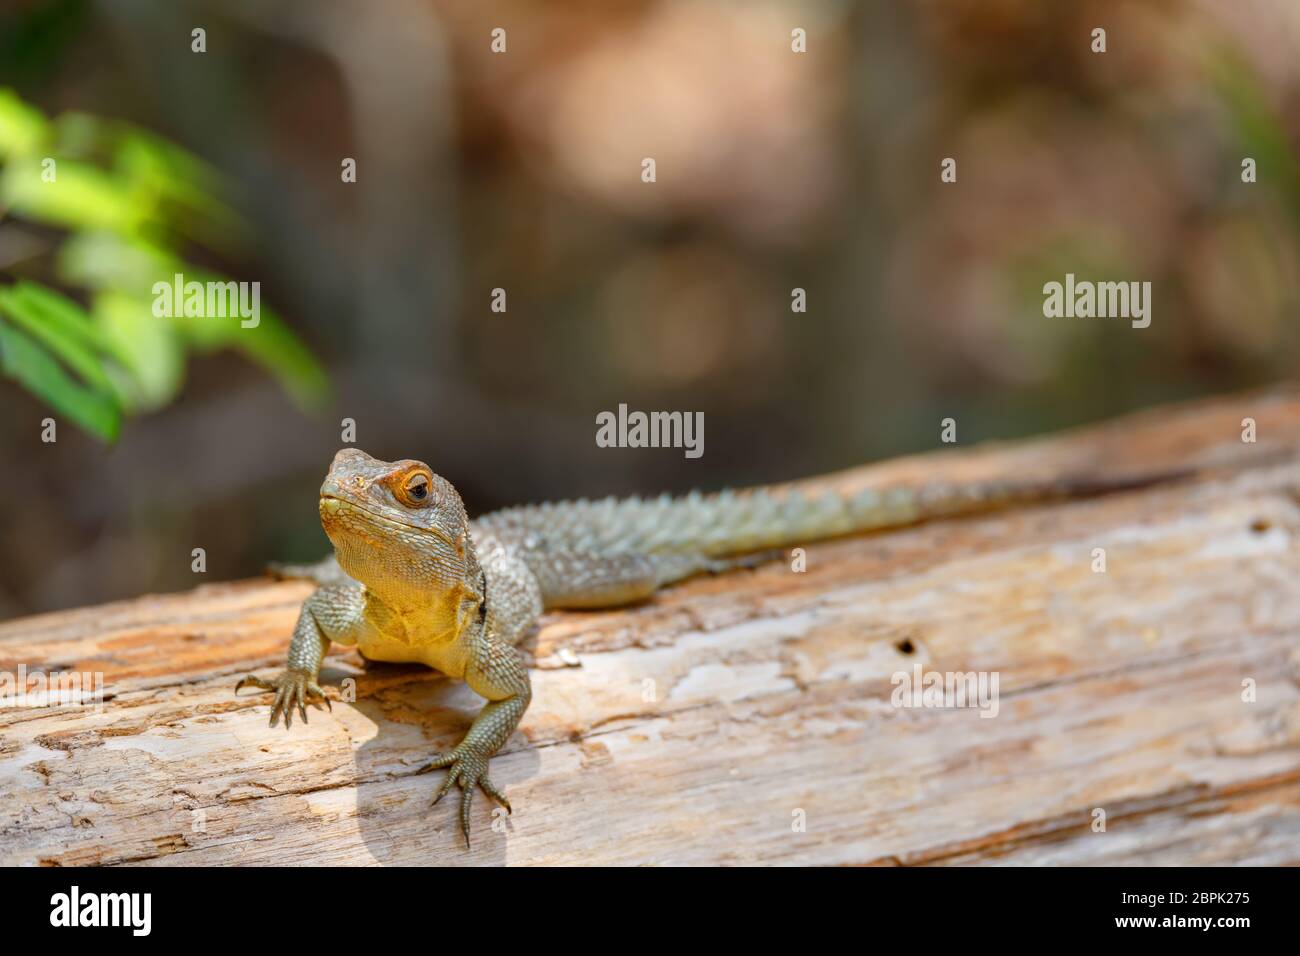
x=403 y=714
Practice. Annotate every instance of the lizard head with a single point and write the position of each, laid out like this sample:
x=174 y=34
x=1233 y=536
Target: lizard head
x=397 y=527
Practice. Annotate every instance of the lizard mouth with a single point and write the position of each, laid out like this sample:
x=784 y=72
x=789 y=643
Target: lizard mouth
x=332 y=506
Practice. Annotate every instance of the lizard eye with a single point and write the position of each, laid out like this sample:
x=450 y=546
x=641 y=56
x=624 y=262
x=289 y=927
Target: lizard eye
x=416 y=488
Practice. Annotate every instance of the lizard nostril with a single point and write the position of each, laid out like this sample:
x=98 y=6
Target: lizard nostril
x=905 y=646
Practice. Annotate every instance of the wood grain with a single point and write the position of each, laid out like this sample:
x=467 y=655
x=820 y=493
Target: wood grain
x=697 y=728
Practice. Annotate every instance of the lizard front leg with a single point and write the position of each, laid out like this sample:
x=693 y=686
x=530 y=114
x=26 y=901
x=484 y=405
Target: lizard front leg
x=496 y=671
x=331 y=613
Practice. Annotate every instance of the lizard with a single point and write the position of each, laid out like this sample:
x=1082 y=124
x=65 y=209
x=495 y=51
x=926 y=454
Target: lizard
x=413 y=579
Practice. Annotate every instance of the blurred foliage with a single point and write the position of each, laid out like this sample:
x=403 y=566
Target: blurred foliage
x=1256 y=124
x=127 y=202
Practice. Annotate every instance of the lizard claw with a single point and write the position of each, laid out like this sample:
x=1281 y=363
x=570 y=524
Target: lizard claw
x=468 y=769
x=293 y=688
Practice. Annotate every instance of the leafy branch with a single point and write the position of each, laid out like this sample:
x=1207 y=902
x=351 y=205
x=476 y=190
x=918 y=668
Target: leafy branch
x=123 y=203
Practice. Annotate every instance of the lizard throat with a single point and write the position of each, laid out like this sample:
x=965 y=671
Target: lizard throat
x=409 y=567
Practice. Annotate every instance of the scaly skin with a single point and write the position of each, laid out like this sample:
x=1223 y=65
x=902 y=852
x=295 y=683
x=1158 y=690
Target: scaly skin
x=416 y=581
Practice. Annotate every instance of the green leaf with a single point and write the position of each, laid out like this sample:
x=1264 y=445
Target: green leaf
x=105 y=260
x=57 y=309
x=275 y=347
x=185 y=186
x=131 y=266
x=22 y=127
x=271 y=344
x=80 y=197
x=150 y=348
x=23 y=360
x=62 y=327
x=1260 y=131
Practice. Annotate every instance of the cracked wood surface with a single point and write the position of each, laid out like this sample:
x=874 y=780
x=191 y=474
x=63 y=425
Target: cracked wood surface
x=691 y=729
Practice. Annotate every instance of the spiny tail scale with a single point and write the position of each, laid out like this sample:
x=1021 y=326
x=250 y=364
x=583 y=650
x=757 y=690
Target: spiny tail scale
x=735 y=522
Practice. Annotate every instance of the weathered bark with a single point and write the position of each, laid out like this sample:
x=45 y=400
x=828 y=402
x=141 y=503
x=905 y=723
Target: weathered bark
x=695 y=728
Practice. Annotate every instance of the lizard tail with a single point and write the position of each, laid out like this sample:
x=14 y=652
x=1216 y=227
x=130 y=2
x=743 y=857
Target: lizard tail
x=736 y=522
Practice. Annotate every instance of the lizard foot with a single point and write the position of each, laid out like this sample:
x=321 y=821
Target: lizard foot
x=469 y=769
x=291 y=688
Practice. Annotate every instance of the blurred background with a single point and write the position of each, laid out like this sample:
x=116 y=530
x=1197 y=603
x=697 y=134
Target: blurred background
x=522 y=170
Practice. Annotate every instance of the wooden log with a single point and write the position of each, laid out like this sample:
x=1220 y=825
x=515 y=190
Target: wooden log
x=704 y=726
